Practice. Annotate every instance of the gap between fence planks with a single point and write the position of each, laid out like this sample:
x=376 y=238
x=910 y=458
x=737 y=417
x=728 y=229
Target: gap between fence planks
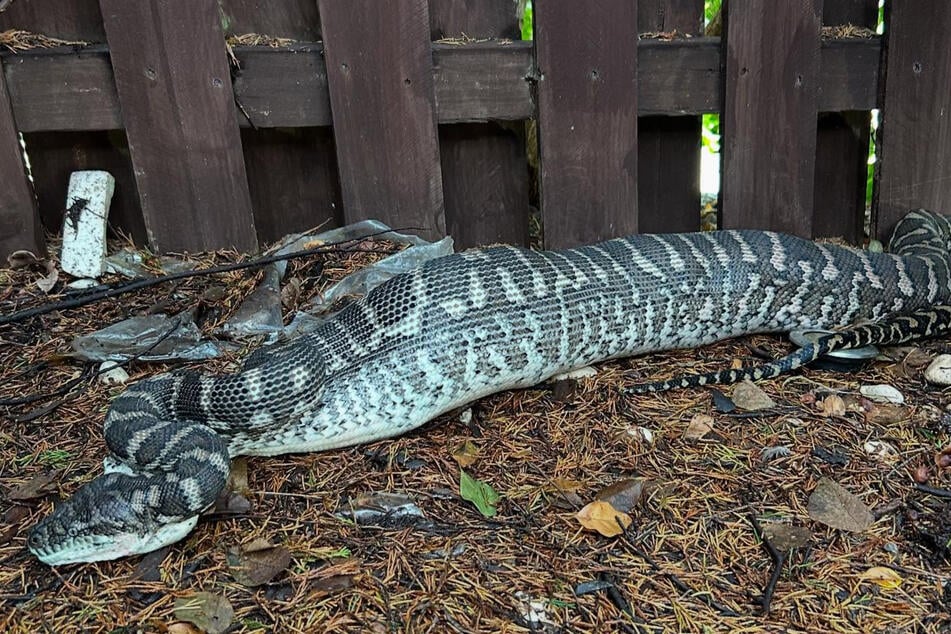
x=174 y=86
x=668 y=148
x=484 y=165
x=380 y=76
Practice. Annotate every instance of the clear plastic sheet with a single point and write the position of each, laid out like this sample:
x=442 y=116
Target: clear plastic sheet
x=134 y=336
x=260 y=313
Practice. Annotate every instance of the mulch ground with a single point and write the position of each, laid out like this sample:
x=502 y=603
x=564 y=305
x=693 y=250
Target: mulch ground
x=691 y=560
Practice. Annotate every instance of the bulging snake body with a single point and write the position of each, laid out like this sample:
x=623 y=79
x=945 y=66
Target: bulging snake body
x=457 y=329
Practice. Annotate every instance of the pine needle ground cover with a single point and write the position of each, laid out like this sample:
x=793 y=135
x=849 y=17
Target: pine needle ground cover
x=482 y=521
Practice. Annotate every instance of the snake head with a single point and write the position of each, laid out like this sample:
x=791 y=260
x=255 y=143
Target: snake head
x=104 y=520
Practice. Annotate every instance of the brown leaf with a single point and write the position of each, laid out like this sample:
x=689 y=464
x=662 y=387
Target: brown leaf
x=38 y=486
x=625 y=494
x=832 y=505
x=210 y=612
x=832 y=406
x=750 y=397
x=698 y=427
x=602 y=517
x=886 y=413
x=562 y=493
x=258 y=563
x=183 y=628
x=466 y=453
x=786 y=536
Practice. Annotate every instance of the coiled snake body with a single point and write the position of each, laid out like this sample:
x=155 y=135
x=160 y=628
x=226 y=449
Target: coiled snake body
x=459 y=328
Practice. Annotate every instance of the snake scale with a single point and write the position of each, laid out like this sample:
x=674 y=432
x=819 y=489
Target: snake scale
x=457 y=329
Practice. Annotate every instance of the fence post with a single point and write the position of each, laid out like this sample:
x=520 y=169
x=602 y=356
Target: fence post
x=915 y=135
x=20 y=226
x=177 y=101
x=380 y=75
x=769 y=115
x=587 y=119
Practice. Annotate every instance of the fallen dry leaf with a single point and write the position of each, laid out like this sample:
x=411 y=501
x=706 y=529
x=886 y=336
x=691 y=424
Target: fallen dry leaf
x=625 y=494
x=786 y=536
x=885 y=578
x=885 y=413
x=38 y=486
x=747 y=395
x=258 y=562
x=466 y=453
x=832 y=505
x=210 y=612
x=698 y=427
x=603 y=518
x=832 y=406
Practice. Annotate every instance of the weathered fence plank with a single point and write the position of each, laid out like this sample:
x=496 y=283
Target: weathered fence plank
x=77 y=20
x=379 y=70
x=291 y=169
x=292 y=174
x=294 y=19
x=65 y=152
x=915 y=136
x=172 y=76
x=842 y=145
x=484 y=173
x=769 y=115
x=81 y=92
x=587 y=119
x=287 y=87
x=20 y=226
x=668 y=148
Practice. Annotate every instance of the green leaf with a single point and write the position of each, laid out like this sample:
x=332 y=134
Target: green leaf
x=479 y=493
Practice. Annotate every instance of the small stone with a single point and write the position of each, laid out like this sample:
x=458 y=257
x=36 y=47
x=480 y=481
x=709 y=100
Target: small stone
x=939 y=372
x=882 y=393
x=890 y=548
x=750 y=397
x=111 y=373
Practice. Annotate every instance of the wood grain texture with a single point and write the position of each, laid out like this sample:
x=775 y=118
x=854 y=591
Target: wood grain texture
x=65 y=152
x=485 y=176
x=63 y=19
x=379 y=71
x=842 y=145
x=292 y=174
x=587 y=120
x=483 y=19
x=668 y=148
x=484 y=168
x=769 y=115
x=915 y=136
x=294 y=19
x=20 y=226
x=62 y=89
x=178 y=107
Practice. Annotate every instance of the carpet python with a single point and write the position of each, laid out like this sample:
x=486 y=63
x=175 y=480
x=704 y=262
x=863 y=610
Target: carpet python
x=459 y=328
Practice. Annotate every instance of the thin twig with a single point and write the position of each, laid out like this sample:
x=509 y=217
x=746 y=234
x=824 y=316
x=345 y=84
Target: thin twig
x=65 y=389
x=139 y=283
x=778 y=558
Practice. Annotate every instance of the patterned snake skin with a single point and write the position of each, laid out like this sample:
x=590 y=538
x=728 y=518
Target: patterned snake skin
x=457 y=329
x=895 y=330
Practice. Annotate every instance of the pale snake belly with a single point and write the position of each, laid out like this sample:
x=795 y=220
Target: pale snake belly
x=457 y=329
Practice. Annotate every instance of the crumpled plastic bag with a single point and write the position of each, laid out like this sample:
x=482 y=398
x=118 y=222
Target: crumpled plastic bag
x=131 y=337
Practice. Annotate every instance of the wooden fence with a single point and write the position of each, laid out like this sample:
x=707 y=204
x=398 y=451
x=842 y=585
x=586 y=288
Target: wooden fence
x=413 y=112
